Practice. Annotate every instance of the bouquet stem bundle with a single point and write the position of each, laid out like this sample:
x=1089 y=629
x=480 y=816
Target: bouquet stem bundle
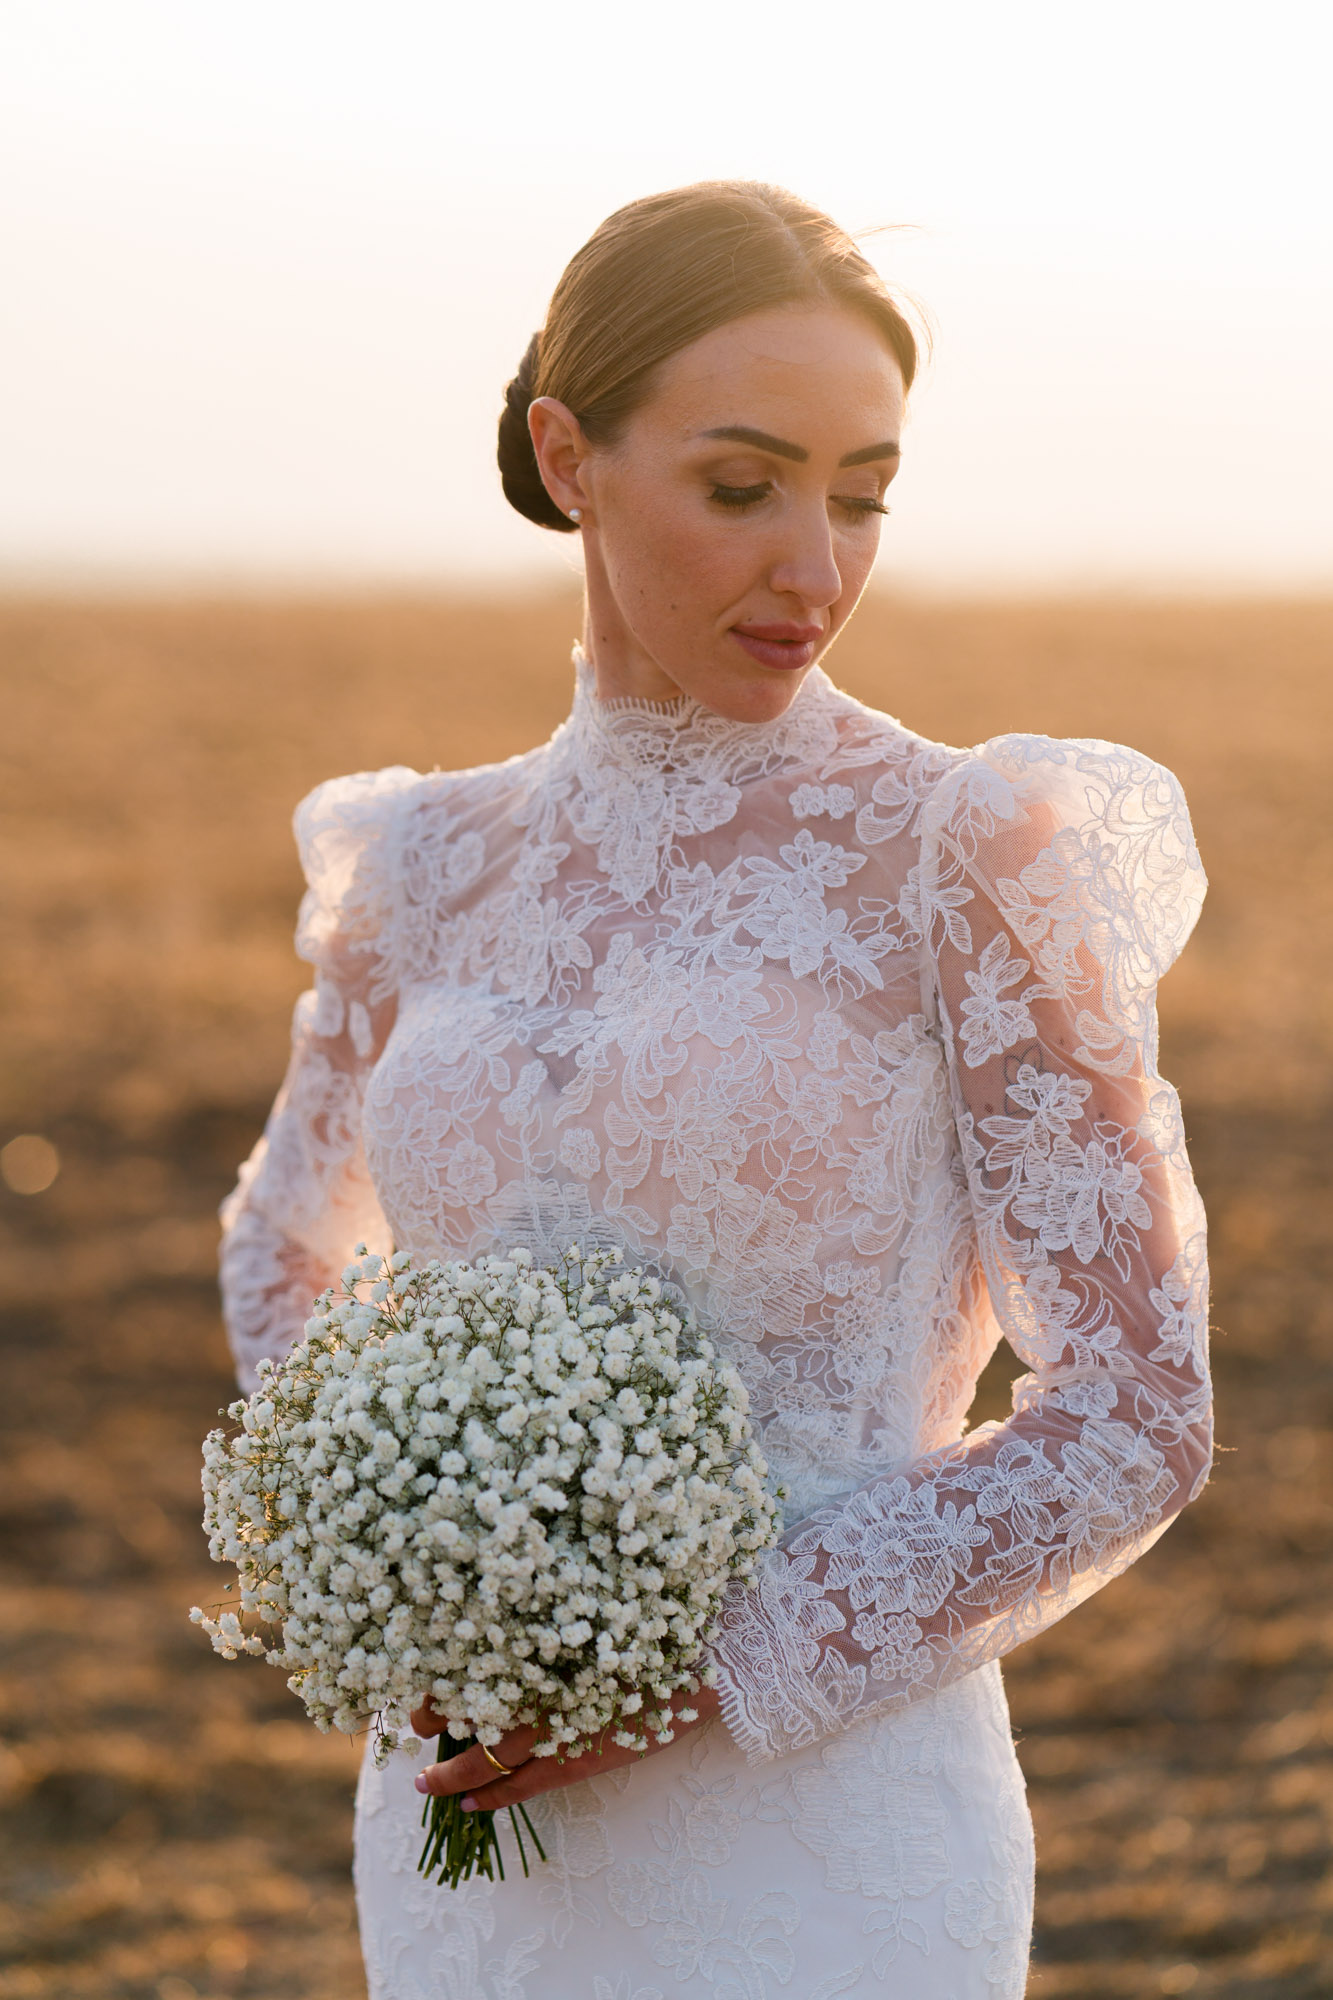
x=461 y=1844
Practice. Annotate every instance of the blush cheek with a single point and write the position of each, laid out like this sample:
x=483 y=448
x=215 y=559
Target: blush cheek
x=674 y=579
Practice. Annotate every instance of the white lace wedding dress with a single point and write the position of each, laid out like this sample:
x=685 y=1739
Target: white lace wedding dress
x=852 y=1037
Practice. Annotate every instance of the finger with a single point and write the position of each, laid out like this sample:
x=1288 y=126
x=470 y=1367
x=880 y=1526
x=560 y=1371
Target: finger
x=542 y=1774
x=472 y=1768
x=548 y=1774
x=427 y=1722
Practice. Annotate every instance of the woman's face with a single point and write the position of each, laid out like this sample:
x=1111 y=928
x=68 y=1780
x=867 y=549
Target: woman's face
x=730 y=530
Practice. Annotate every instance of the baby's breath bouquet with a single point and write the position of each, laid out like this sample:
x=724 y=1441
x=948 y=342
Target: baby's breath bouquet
x=519 y=1490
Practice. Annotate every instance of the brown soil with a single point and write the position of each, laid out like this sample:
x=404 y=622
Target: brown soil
x=173 y=1827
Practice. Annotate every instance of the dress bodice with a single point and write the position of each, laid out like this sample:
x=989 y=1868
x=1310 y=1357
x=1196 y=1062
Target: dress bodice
x=850 y=1036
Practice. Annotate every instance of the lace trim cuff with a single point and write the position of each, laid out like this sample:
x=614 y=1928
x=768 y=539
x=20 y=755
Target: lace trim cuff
x=780 y=1689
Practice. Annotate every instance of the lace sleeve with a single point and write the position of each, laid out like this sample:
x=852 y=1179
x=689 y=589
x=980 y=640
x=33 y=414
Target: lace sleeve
x=304 y=1198
x=1060 y=880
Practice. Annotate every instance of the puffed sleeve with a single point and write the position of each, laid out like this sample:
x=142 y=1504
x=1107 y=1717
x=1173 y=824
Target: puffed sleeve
x=1059 y=882
x=304 y=1198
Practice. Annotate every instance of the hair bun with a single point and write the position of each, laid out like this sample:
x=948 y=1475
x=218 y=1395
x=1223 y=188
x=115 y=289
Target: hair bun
x=519 y=476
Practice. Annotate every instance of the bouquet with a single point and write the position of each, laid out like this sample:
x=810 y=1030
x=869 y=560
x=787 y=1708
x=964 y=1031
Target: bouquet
x=519 y=1490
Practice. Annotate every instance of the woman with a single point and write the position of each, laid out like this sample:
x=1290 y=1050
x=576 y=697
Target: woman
x=849 y=1034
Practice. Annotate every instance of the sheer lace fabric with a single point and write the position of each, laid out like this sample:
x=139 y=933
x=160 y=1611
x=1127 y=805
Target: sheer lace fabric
x=851 y=1036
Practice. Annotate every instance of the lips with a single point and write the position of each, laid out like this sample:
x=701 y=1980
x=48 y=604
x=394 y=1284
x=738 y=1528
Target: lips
x=779 y=645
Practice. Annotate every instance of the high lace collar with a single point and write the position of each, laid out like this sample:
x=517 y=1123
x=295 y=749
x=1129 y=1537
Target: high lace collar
x=647 y=774
x=684 y=742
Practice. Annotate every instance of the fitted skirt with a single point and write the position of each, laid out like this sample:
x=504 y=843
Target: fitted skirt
x=892 y=1859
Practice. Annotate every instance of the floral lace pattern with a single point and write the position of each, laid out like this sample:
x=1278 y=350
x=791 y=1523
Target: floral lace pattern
x=900 y=1851
x=851 y=1037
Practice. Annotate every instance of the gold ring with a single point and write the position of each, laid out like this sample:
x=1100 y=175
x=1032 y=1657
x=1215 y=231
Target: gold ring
x=503 y=1769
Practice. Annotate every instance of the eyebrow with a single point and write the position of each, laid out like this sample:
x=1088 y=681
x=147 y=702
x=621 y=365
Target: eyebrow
x=782 y=448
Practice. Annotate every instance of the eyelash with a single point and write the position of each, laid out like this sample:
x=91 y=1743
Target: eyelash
x=741 y=497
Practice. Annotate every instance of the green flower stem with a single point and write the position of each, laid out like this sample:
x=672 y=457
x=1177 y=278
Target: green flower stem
x=462 y=1844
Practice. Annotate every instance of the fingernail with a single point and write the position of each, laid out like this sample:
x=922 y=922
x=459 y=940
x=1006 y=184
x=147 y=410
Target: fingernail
x=469 y=1803
x=420 y=1782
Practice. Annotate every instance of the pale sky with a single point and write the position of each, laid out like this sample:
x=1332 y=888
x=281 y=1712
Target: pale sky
x=267 y=267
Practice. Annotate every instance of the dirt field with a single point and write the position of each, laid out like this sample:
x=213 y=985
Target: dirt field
x=172 y=1827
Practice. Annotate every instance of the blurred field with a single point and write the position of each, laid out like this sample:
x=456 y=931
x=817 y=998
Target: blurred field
x=171 y=1827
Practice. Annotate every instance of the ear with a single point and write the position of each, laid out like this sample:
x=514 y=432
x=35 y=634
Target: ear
x=560 y=448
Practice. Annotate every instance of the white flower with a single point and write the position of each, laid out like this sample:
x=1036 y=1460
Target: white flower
x=391 y=1493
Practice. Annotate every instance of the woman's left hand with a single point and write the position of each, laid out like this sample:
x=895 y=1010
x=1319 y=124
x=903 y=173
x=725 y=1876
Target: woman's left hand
x=485 y=1790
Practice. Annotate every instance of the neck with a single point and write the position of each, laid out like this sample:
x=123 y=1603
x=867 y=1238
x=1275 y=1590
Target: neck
x=622 y=670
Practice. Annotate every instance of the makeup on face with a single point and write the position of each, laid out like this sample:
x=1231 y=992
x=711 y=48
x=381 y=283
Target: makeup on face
x=784 y=646
x=737 y=515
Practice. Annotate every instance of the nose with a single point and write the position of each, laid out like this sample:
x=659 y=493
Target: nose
x=806 y=567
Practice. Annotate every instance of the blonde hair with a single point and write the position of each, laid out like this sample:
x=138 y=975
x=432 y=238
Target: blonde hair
x=657 y=275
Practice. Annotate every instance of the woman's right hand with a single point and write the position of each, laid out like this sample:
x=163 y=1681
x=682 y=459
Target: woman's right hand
x=485 y=1789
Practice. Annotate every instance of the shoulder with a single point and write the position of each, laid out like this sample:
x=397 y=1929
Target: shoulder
x=871 y=764
x=1102 y=795
x=1017 y=787
x=352 y=820
x=352 y=834
x=387 y=851
x=345 y=836
x=1085 y=773
x=356 y=807
x=1081 y=846
x=344 y=830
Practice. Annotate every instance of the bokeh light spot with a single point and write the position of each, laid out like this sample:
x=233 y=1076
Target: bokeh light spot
x=29 y=1164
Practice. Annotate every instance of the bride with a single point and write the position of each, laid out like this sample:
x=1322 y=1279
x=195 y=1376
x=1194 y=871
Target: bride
x=850 y=1035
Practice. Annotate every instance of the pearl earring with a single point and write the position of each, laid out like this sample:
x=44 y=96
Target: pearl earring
x=576 y=515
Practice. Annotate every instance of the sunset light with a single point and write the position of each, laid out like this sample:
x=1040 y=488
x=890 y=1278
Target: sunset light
x=268 y=267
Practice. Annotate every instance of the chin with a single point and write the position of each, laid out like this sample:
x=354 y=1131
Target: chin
x=751 y=694
x=764 y=704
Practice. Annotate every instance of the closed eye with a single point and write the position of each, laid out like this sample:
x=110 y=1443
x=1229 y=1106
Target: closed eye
x=857 y=506
x=741 y=496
